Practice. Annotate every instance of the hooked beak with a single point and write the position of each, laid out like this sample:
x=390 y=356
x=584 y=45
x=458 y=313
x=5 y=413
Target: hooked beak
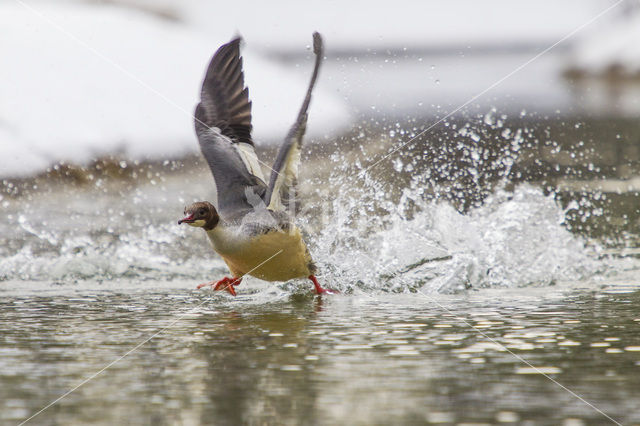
x=186 y=219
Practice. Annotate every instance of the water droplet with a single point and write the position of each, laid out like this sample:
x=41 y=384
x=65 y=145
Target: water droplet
x=397 y=165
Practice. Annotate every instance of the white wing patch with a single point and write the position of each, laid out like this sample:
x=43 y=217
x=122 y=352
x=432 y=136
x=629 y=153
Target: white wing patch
x=250 y=159
x=287 y=178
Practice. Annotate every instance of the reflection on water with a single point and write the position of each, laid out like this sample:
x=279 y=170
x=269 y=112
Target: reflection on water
x=392 y=359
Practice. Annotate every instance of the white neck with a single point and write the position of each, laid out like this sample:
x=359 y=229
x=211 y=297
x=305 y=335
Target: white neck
x=224 y=238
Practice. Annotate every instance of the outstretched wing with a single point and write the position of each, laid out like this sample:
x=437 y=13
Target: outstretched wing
x=284 y=175
x=223 y=126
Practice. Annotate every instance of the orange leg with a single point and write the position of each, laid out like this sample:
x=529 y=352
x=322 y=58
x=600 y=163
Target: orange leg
x=320 y=290
x=224 y=284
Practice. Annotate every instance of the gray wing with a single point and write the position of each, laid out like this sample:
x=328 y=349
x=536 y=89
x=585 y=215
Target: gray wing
x=284 y=175
x=223 y=126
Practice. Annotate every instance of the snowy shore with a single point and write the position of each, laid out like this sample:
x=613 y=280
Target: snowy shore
x=84 y=81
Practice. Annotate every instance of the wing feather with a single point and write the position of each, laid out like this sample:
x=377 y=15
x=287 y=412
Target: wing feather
x=223 y=126
x=284 y=175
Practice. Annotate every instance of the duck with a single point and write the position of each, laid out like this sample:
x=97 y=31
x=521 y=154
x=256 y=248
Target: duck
x=251 y=226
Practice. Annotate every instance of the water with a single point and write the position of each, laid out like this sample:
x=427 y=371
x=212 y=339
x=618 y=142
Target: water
x=475 y=287
x=292 y=360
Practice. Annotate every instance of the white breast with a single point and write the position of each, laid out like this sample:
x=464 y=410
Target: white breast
x=227 y=240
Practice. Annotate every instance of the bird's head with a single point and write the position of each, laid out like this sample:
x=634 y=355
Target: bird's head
x=201 y=214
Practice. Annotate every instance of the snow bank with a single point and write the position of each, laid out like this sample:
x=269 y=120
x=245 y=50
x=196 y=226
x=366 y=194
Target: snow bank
x=82 y=81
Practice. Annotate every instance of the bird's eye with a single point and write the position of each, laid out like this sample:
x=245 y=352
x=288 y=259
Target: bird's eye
x=202 y=211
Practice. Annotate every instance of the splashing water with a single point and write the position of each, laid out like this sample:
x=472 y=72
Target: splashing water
x=399 y=233
x=99 y=235
x=514 y=239
x=368 y=243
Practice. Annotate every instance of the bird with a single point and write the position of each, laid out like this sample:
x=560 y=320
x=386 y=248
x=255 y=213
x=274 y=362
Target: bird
x=250 y=226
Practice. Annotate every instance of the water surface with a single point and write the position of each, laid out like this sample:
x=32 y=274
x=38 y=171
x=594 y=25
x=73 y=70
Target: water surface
x=494 y=356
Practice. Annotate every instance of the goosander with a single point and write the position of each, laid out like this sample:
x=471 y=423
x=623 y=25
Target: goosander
x=249 y=227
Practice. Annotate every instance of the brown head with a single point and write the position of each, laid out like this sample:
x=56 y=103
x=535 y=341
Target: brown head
x=201 y=214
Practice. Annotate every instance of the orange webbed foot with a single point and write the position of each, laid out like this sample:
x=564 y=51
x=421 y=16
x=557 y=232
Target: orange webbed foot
x=319 y=289
x=224 y=284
